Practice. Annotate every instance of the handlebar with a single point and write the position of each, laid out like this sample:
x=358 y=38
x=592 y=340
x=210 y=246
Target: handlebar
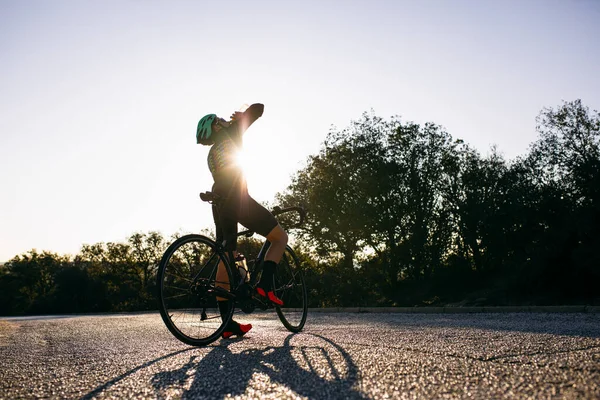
x=300 y=210
x=278 y=211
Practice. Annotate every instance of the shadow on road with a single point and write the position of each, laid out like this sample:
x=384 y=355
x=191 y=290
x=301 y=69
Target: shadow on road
x=323 y=369
x=121 y=377
x=306 y=369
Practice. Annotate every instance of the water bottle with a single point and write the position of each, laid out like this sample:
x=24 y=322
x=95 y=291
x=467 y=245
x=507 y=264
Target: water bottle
x=240 y=262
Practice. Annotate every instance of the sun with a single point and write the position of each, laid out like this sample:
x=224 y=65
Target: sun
x=242 y=160
x=259 y=184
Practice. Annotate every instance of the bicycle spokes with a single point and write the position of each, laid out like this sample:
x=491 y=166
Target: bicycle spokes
x=189 y=289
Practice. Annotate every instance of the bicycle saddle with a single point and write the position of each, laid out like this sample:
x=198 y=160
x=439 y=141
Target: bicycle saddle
x=209 y=197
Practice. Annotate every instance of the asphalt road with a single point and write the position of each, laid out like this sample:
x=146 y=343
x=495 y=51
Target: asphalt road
x=338 y=356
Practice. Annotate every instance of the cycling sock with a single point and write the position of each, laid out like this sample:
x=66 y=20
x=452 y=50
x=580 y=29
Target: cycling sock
x=223 y=309
x=266 y=279
x=233 y=328
x=265 y=286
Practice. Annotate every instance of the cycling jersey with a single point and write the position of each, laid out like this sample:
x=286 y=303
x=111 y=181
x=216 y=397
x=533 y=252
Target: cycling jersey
x=222 y=154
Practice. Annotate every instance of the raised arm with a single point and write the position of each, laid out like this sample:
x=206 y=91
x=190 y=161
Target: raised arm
x=247 y=118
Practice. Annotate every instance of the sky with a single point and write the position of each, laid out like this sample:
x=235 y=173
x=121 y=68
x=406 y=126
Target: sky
x=99 y=100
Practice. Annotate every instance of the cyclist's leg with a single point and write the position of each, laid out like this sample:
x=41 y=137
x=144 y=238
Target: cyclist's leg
x=229 y=232
x=260 y=220
x=222 y=280
x=257 y=218
x=225 y=216
x=226 y=232
x=278 y=239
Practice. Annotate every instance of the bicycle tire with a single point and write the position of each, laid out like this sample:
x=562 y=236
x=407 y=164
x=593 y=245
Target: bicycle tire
x=290 y=287
x=188 y=289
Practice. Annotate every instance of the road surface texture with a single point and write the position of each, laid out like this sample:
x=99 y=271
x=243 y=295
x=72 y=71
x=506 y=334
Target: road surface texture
x=338 y=356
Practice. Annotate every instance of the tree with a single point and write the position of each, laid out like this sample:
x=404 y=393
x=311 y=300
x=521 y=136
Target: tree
x=568 y=149
x=478 y=193
x=375 y=188
x=146 y=251
x=29 y=280
x=419 y=153
x=565 y=164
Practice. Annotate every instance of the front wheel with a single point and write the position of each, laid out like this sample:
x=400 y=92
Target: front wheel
x=188 y=289
x=290 y=287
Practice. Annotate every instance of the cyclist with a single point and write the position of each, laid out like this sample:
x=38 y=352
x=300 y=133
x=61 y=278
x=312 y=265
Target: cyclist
x=225 y=137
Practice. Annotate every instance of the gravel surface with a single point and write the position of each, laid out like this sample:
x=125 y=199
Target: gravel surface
x=337 y=356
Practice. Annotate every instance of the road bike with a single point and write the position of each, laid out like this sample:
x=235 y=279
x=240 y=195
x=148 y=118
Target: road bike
x=188 y=288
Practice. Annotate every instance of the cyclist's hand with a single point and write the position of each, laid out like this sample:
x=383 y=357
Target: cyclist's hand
x=236 y=115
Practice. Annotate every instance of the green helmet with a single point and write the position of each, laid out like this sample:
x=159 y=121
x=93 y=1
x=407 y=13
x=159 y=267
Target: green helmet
x=204 y=131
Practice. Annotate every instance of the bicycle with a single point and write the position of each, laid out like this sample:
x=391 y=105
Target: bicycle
x=188 y=288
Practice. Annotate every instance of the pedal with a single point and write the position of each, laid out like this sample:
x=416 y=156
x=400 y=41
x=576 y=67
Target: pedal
x=262 y=304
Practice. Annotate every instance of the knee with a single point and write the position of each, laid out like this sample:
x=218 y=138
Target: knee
x=278 y=236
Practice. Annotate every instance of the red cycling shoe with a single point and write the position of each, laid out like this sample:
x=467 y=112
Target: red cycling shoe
x=269 y=295
x=239 y=330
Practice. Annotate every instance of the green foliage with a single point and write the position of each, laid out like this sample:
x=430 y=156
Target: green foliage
x=426 y=208
x=377 y=189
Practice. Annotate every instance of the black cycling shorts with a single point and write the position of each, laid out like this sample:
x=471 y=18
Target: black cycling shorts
x=238 y=207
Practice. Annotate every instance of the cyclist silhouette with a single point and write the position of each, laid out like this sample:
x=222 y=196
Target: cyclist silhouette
x=226 y=139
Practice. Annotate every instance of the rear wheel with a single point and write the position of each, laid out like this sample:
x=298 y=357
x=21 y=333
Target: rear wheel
x=290 y=287
x=188 y=289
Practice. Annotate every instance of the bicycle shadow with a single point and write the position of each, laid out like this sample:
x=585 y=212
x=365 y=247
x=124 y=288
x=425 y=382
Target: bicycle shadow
x=106 y=386
x=313 y=371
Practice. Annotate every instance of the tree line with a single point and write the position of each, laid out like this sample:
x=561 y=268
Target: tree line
x=404 y=214
x=102 y=277
x=398 y=214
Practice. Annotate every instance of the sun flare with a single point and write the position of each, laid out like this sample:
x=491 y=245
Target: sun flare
x=242 y=160
x=259 y=185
